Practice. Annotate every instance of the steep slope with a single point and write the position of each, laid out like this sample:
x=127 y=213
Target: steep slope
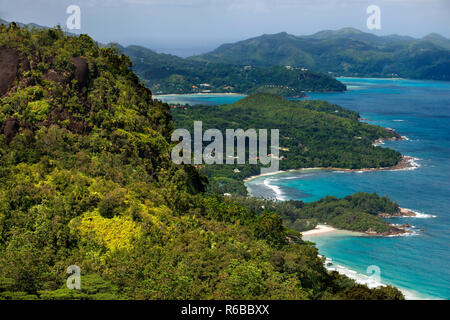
x=345 y=52
x=86 y=180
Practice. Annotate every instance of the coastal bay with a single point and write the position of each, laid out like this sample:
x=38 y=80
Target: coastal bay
x=261 y=170
x=419 y=111
x=402 y=105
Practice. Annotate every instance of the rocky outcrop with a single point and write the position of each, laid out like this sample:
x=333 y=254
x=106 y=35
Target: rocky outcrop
x=81 y=71
x=402 y=212
x=12 y=66
x=9 y=67
x=396 y=137
x=10 y=129
x=394 y=230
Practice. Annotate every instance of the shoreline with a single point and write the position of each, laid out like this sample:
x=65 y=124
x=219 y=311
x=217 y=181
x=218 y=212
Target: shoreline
x=200 y=94
x=348 y=271
x=396 y=231
x=382 y=78
x=319 y=229
x=368 y=280
x=268 y=174
x=407 y=163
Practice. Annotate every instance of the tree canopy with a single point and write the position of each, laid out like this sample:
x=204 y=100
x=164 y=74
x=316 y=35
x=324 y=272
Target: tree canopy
x=86 y=179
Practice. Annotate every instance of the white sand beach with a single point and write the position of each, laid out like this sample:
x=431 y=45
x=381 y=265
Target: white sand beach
x=263 y=175
x=319 y=229
x=278 y=172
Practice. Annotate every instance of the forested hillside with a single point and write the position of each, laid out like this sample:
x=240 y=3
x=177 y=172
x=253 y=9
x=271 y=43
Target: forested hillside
x=344 y=52
x=86 y=179
x=165 y=73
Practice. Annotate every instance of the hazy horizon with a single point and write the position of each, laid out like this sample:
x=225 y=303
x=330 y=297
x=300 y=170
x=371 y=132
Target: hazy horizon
x=189 y=27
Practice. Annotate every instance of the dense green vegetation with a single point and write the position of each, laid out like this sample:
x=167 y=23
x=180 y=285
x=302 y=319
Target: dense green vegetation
x=357 y=212
x=164 y=73
x=312 y=134
x=86 y=179
x=345 y=52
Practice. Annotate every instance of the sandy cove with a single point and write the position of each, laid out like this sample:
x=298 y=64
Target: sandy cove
x=319 y=229
x=268 y=174
x=402 y=213
x=396 y=230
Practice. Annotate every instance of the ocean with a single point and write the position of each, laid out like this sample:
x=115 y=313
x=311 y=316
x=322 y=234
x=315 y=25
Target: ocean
x=420 y=110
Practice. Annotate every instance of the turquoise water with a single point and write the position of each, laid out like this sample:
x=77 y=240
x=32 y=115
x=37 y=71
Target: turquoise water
x=419 y=110
x=205 y=99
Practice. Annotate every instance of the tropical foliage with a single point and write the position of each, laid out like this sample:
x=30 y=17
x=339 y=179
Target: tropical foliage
x=86 y=179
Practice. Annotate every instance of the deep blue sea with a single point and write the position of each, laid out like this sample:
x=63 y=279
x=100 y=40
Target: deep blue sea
x=420 y=110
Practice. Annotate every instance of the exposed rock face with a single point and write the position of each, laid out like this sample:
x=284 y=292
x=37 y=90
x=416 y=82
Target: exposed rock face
x=394 y=230
x=11 y=127
x=9 y=66
x=81 y=71
x=402 y=212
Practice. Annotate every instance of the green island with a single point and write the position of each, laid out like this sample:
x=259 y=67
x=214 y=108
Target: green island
x=169 y=74
x=86 y=179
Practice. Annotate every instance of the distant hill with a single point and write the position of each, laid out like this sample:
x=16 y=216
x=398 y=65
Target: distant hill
x=345 y=52
x=165 y=73
x=31 y=25
x=23 y=25
x=169 y=74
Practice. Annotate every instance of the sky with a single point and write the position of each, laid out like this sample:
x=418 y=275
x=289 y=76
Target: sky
x=188 y=27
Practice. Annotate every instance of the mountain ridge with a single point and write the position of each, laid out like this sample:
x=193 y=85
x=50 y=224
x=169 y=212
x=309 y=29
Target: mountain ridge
x=343 y=52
